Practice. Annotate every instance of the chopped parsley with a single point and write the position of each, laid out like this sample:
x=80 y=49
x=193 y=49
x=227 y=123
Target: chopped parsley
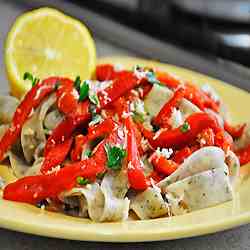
x=82 y=181
x=94 y=99
x=185 y=127
x=84 y=91
x=87 y=153
x=115 y=155
x=77 y=83
x=29 y=76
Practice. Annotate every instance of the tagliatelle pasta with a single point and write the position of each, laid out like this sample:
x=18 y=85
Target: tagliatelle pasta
x=127 y=140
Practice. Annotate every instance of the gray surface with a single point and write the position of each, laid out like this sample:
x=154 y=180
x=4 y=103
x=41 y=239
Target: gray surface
x=233 y=239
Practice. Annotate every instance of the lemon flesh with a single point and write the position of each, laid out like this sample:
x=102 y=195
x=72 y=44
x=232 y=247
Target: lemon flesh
x=45 y=42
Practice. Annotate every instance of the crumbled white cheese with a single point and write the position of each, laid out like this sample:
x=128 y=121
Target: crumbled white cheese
x=140 y=74
x=54 y=169
x=176 y=118
x=166 y=152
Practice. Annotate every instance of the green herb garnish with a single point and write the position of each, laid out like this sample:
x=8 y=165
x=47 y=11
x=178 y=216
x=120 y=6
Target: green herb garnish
x=87 y=153
x=82 y=181
x=29 y=76
x=115 y=155
x=84 y=91
x=94 y=99
x=77 y=83
x=96 y=118
x=185 y=127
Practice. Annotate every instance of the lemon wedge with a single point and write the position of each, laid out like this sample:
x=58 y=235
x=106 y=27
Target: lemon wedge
x=46 y=42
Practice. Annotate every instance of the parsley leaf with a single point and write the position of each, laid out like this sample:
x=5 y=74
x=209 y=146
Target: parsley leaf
x=77 y=83
x=84 y=91
x=29 y=76
x=185 y=127
x=82 y=181
x=87 y=153
x=115 y=155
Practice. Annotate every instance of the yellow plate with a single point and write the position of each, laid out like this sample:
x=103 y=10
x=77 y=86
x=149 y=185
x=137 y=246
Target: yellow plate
x=26 y=218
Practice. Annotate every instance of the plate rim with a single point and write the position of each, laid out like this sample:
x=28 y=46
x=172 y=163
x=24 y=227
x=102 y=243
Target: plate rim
x=129 y=236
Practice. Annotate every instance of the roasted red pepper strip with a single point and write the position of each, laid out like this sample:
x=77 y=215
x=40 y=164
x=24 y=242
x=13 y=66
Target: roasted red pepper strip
x=236 y=131
x=176 y=138
x=65 y=129
x=33 y=189
x=162 y=164
x=165 y=112
x=105 y=72
x=120 y=86
x=80 y=144
x=244 y=155
x=101 y=129
x=56 y=155
x=67 y=96
x=181 y=155
x=136 y=177
x=168 y=80
x=32 y=99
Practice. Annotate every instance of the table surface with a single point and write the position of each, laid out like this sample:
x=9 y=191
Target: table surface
x=232 y=239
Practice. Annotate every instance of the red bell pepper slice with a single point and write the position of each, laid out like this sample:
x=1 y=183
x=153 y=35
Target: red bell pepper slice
x=168 y=80
x=32 y=99
x=176 y=138
x=165 y=112
x=105 y=72
x=181 y=155
x=80 y=145
x=65 y=129
x=236 y=131
x=67 y=96
x=56 y=155
x=136 y=177
x=120 y=86
x=101 y=129
x=32 y=189
x=162 y=164
x=244 y=155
